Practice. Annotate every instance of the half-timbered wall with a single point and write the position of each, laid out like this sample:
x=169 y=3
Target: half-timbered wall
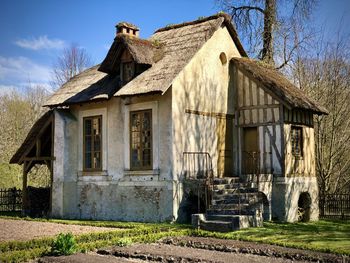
x=300 y=117
x=257 y=107
x=300 y=165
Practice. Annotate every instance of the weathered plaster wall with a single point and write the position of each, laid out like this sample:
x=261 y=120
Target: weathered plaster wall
x=115 y=192
x=202 y=86
x=285 y=195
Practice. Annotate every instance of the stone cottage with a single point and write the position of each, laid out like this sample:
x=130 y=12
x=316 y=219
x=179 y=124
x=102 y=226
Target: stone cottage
x=182 y=121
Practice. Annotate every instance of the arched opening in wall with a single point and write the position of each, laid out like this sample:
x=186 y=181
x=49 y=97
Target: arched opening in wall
x=304 y=205
x=266 y=213
x=223 y=58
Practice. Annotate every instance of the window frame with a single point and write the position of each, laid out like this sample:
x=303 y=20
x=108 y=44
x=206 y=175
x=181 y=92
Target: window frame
x=301 y=141
x=150 y=166
x=85 y=169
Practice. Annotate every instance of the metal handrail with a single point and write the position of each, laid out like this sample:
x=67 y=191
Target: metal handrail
x=198 y=166
x=197 y=160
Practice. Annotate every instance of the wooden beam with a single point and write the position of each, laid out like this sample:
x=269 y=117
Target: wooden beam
x=24 y=189
x=47 y=123
x=268 y=106
x=40 y=158
x=211 y=114
x=38 y=147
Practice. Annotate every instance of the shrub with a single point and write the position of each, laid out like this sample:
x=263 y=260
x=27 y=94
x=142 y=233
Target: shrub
x=64 y=244
x=124 y=242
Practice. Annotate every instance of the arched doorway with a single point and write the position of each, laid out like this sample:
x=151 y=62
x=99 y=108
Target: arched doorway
x=304 y=205
x=266 y=213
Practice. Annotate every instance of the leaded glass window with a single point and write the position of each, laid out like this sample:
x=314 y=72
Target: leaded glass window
x=297 y=141
x=141 y=139
x=93 y=143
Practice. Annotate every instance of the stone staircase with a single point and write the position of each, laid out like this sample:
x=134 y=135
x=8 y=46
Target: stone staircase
x=235 y=204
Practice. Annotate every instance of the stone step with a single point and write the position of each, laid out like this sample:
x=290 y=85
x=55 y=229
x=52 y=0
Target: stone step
x=216 y=225
x=213 y=211
x=226 y=180
x=234 y=196
x=242 y=206
x=234 y=186
x=234 y=191
x=226 y=218
x=235 y=199
x=224 y=223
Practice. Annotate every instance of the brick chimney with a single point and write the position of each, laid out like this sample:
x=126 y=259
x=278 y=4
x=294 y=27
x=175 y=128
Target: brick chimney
x=125 y=28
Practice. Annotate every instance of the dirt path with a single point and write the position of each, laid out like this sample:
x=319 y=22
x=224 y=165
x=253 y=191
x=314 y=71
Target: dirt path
x=26 y=230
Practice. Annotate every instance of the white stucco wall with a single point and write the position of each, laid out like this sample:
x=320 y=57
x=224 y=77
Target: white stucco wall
x=115 y=192
x=202 y=86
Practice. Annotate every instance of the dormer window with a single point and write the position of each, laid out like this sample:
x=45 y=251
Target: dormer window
x=128 y=71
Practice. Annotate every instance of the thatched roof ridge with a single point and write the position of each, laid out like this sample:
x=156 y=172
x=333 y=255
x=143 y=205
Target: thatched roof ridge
x=228 y=24
x=141 y=50
x=31 y=136
x=287 y=92
x=89 y=85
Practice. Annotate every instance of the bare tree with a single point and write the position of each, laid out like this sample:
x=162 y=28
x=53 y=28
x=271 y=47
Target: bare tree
x=18 y=112
x=326 y=77
x=273 y=29
x=71 y=62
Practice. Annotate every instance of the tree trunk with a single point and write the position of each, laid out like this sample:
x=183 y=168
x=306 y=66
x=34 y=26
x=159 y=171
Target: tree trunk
x=269 y=23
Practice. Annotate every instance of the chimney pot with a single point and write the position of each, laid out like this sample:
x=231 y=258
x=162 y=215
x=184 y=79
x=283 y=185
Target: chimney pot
x=125 y=28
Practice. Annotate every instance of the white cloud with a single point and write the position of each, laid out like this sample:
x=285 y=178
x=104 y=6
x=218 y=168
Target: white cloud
x=42 y=42
x=18 y=70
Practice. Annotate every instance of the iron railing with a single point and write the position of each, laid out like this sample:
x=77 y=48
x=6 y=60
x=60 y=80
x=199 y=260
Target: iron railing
x=10 y=200
x=198 y=169
x=335 y=206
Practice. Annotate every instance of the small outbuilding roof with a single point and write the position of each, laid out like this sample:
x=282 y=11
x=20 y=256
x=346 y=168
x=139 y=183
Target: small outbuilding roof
x=168 y=50
x=279 y=85
x=39 y=126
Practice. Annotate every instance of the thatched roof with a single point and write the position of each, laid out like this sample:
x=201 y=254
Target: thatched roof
x=32 y=136
x=142 y=52
x=168 y=50
x=90 y=85
x=288 y=93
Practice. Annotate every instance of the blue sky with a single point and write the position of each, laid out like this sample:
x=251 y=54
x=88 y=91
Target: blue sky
x=34 y=32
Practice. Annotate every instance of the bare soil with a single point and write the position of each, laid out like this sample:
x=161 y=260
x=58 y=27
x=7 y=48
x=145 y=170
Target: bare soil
x=27 y=230
x=196 y=249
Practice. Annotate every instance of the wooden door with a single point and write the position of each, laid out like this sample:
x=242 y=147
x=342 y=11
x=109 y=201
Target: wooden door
x=250 y=150
x=224 y=130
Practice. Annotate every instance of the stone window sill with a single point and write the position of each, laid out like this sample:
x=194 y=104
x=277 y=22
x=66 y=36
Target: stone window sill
x=154 y=172
x=92 y=173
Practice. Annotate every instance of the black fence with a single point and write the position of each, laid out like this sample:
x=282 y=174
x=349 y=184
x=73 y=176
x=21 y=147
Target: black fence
x=10 y=200
x=335 y=206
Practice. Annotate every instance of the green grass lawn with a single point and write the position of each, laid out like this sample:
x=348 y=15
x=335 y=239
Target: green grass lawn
x=325 y=236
